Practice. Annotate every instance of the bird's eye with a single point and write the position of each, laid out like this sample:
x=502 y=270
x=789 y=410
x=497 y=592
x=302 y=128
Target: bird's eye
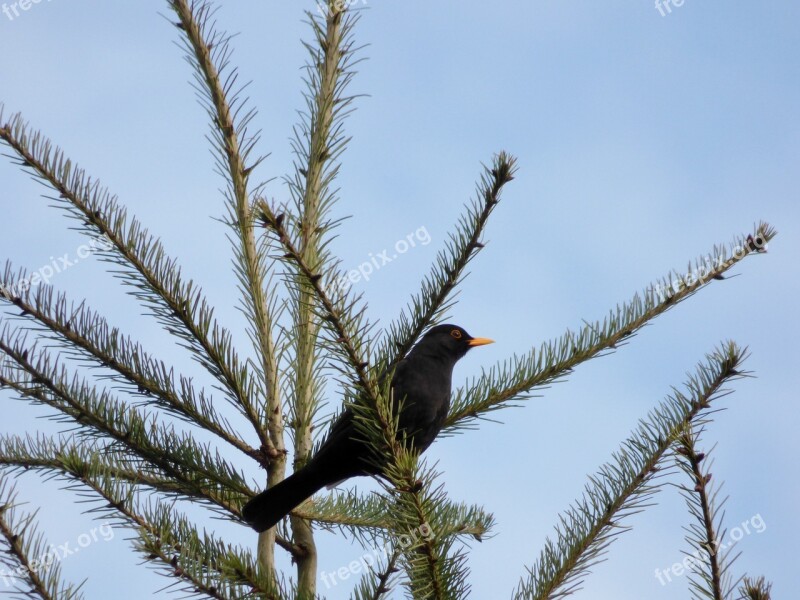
x=456 y=334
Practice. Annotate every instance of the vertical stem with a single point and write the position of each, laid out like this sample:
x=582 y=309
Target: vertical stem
x=194 y=21
x=307 y=331
x=266 y=550
x=687 y=449
x=310 y=226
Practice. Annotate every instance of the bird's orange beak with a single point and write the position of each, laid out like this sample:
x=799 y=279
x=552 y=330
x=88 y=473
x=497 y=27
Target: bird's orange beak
x=479 y=342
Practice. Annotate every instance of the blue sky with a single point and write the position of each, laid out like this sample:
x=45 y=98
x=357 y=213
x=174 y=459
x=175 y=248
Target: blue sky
x=642 y=141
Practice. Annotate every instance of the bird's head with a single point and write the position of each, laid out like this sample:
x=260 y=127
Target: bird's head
x=450 y=341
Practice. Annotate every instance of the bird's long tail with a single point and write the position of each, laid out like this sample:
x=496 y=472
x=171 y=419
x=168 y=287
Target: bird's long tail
x=271 y=505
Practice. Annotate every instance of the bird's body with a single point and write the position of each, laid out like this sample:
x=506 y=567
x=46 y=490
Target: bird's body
x=421 y=386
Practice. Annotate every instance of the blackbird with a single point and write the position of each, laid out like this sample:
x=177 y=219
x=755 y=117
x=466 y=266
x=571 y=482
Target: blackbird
x=420 y=386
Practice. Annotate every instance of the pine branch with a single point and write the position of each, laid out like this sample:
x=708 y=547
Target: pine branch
x=433 y=567
x=90 y=464
x=317 y=145
x=624 y=486
x=368 y=518
x=121 y=505
x=323 y=73
x=214 y=569
x=207 y=564
x=517 y=377
x=71 y=456
x=434 y=297
x=209 y=52
x=202 y=475
x=377 y=583
x=155 y=279
x=704 y=535
x=341 y=313
x=28 y=554
x=81 y=330
x=755 y=589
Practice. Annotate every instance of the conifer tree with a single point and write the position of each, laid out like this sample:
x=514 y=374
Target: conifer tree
x=131 y=443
